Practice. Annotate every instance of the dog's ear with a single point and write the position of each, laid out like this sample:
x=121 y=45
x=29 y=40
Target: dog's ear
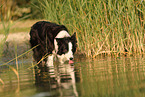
x=73 y=37
x=74 y=41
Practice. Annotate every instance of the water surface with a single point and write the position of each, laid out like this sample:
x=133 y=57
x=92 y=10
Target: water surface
x=102 y=77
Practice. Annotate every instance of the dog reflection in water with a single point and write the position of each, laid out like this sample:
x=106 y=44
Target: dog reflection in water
x=60 y=78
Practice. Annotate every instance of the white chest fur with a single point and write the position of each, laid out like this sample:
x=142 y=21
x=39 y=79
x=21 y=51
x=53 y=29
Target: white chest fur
x=62 y=34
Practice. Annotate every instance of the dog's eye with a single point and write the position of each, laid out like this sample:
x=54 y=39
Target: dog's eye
x=65 y=50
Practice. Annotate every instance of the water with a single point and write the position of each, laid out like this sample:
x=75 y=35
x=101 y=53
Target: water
x=102 y=77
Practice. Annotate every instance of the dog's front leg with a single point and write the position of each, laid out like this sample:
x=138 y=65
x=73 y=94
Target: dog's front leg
x=50 y=60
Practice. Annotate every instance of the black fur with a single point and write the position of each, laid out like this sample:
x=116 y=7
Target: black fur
x=43 y=34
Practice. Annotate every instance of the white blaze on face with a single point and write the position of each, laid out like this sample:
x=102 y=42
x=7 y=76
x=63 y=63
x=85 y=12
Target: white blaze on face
x=69 y=54
x=64 y=57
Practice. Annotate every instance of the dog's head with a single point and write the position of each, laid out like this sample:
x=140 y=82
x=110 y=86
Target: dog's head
x=66 y=48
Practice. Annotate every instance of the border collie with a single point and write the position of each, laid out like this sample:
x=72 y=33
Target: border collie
x=52 y=40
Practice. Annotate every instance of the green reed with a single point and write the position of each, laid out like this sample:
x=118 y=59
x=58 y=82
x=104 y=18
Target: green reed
x=6 y=27
x=102 y=26
x=7 y=23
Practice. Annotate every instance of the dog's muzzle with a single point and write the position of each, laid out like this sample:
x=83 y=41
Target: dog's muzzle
x=71 y=61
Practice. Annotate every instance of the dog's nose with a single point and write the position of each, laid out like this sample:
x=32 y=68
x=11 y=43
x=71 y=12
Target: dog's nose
x=71 y=58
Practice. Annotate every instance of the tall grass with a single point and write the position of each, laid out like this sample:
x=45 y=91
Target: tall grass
x=7 y=23
x=102 y=26
x=6 y=26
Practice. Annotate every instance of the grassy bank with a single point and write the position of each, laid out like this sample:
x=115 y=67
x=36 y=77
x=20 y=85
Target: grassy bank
x=102 y=26
x=18 y=26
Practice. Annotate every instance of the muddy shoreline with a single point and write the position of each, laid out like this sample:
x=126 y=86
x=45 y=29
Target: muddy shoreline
x=16 y=37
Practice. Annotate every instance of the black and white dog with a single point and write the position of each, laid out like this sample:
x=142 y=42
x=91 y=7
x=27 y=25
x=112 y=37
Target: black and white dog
x=52 y=40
